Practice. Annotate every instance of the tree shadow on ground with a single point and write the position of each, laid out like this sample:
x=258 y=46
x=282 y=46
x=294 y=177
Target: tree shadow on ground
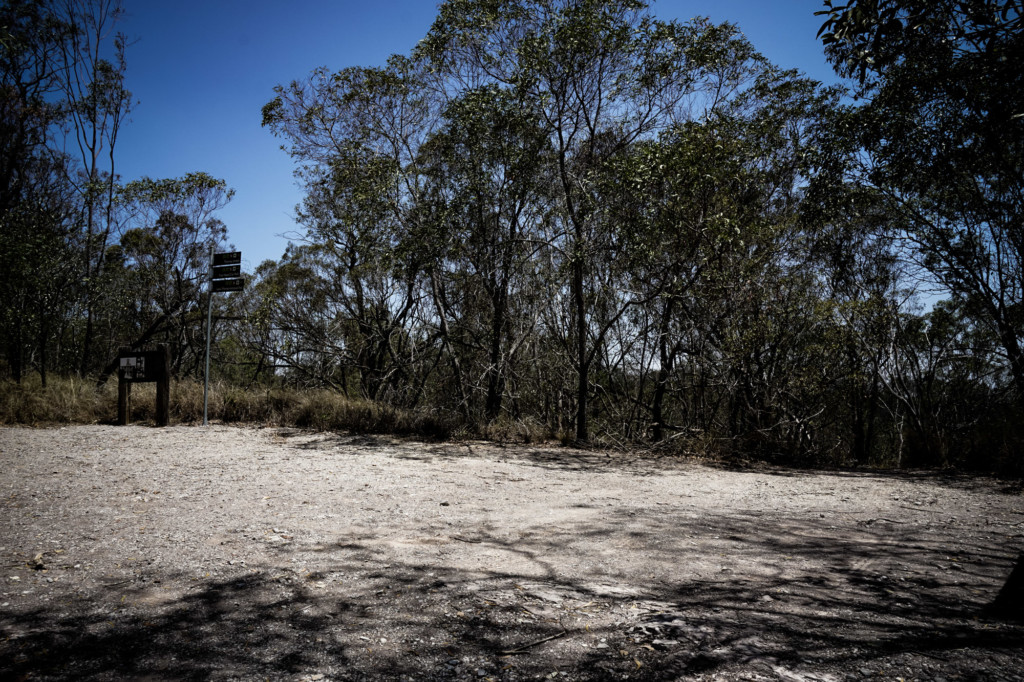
x=784 y=597
x=638 y=462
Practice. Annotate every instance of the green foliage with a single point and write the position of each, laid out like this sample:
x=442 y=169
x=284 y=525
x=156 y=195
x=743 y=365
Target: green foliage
x=943 y=136
x=564 y=214
x=569 y=220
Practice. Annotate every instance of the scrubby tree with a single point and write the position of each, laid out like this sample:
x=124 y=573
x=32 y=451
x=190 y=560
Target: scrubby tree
x=156 y=275
x=943 y=132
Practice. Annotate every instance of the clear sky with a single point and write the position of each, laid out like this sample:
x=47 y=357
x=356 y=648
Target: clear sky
x=201 y=71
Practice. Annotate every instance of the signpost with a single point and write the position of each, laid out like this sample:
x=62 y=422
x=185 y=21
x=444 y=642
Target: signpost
x=225 y=276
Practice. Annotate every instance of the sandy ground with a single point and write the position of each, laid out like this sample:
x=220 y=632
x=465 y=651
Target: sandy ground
x=244 y=553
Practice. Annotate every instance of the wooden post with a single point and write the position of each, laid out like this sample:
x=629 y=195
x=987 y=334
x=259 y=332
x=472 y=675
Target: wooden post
x=144 y=365
x=124 y=393
x=124 y=400
x=163 y=386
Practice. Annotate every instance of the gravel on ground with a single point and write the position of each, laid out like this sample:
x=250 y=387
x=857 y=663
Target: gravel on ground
x=244 y=553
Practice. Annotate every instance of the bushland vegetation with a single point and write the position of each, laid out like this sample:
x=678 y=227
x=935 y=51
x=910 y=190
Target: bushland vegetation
x=558 y=219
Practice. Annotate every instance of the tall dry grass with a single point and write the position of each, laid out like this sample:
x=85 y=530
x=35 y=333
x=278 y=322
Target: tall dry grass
x=62 y=401
x=74 y=401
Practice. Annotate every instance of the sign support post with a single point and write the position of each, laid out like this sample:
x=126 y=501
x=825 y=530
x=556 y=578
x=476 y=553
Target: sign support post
x=225 y=275
x=209 y=317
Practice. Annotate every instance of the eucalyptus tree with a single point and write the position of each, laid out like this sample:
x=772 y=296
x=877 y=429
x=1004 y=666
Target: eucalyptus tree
x=35 y=288
x=601 y=75
x=158 y=269
x=32 y=38
x=715 y=247
x=92 y=76
x=298 y=324
x=38 y=261
x=487 y=196
x=356 y=135
x=942 y=128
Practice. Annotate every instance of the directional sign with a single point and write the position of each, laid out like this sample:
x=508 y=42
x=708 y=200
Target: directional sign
x=224 y=271
x=234 y=284
x=229 y=258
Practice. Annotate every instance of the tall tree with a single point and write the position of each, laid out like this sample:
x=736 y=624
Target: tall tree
x=943 y=129
x=602 y=74
x=93 y=71
x=356 y=135
x=35 y=245
x=160 y=265
x=487 y=184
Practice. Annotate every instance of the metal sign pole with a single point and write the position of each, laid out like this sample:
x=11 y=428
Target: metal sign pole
x=225 y=276
x=209 y=317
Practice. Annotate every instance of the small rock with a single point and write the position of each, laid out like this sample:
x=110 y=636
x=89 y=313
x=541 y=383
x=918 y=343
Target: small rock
x=480 y=672
x=445 y=504
x=767 y=597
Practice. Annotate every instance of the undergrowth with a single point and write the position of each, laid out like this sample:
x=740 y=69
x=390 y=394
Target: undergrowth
x=77 y=401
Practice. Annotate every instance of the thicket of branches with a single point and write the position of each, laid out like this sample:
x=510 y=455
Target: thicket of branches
x=568 y=217
x=89 y=262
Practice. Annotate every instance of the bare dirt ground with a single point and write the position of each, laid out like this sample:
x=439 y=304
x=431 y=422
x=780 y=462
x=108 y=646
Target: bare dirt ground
x=243 y=554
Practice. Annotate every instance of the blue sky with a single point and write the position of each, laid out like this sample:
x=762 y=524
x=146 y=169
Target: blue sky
x=201 y=71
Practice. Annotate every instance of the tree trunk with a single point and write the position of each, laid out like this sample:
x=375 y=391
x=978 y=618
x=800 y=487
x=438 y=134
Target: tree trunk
x=664 y=372
x=583 y=386
x=42 y=348
x=495 y=375
x=442 y=314
x=1009 y=603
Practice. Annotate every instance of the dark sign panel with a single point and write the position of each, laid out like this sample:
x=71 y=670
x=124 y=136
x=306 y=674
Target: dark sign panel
x=223 y=271
x=234 y=284
x=229 y=258
x=141 y=365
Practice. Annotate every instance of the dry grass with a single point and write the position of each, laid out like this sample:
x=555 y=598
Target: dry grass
x=74 y=401
x=62 y=401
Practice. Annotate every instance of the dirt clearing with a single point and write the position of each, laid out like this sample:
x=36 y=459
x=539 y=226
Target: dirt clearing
x=242 y=553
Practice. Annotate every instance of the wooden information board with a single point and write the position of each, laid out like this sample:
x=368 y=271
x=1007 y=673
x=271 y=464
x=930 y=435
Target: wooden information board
x=135 y=366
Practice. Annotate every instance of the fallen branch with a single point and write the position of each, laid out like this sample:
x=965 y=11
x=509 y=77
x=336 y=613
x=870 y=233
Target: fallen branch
x=523 y=649
x=919 y=509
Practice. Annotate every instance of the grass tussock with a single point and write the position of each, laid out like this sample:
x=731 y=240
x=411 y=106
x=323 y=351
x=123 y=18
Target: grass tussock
x=74 y=401
x=61 y=401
